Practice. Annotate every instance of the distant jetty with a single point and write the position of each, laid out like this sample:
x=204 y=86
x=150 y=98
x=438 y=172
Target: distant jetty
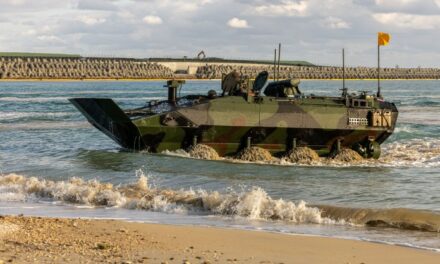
x=23 y=66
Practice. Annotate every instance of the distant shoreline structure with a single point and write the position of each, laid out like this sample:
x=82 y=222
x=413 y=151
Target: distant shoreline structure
x=65 y=67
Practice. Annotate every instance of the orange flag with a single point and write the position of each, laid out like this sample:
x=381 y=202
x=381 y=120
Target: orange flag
x=383 y=39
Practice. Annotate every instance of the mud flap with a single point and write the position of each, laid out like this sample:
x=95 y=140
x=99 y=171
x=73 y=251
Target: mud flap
x=106 y=116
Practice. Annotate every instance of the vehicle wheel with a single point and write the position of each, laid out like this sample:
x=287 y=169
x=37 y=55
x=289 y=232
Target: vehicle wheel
x=373 y=150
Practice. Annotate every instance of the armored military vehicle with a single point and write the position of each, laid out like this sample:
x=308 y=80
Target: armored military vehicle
x=275 y=116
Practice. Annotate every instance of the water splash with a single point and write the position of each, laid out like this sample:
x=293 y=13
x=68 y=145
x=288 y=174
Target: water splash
x=302 y=155
x=253 y=204
x=201 y=151
x=423 y=152
x=254 y=154
x=348 y=155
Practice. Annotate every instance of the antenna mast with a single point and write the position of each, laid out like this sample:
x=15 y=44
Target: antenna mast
x=279 y=58
x=275 y=65
x=344 y=89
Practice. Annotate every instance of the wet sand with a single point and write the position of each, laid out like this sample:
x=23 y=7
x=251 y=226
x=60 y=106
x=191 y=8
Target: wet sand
x=55 y=240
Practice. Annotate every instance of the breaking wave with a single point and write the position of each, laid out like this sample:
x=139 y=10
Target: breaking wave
x=252 y=204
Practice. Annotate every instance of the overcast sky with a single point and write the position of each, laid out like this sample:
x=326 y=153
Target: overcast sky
x=312 y=30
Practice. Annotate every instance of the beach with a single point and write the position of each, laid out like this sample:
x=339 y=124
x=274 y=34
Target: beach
x=60 y=240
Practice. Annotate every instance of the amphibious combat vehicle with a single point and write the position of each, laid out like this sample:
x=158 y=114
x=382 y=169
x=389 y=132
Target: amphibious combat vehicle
x=275 y=116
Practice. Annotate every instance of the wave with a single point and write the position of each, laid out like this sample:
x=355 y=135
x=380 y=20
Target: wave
x=100 y=92
x=43 y=125
x=58 y=98
x=13 y=116
x=426 y=115
x=32 y=99
x=401 y=218
x=420 y=152
x=253 y=203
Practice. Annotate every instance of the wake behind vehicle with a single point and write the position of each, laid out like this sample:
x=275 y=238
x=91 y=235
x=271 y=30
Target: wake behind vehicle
x=275 y=116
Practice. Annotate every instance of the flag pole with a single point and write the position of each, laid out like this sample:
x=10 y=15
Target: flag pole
x=379 y=95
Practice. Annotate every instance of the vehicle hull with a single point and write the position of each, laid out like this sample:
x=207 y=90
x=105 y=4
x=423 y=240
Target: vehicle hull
x=230 y=125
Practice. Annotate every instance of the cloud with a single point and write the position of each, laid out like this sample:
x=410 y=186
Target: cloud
x=402 y=6
x=91 y=20
x=96 y=5
x=408 y=21
x=27 y=5
x=152 y=20
x=312 y=30
x=395 y=2
x=335 y=23
x=284 y=8
x=49 y=38
x=238 y=23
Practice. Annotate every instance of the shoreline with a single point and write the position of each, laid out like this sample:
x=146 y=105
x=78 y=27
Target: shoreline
x=70 y=240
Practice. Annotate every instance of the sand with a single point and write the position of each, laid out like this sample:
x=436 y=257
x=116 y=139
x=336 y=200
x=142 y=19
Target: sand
x=55 y=240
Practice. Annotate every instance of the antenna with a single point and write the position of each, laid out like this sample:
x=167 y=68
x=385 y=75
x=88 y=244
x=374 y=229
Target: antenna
x=275 y=65
x=344 y=89
x=279 y=58
x=343 y=68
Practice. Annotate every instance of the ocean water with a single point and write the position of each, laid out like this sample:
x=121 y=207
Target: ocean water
x=53 y=163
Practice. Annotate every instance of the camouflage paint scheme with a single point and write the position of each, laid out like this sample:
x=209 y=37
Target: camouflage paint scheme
x=227 y=123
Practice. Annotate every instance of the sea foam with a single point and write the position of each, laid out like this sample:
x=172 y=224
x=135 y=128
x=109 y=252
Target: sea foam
x=423 y=152
x=253 y=203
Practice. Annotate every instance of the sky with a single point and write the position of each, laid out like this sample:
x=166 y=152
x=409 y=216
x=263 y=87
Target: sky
x=311 y=30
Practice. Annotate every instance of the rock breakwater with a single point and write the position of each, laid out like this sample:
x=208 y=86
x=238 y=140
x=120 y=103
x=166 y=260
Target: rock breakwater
x=120 y=68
